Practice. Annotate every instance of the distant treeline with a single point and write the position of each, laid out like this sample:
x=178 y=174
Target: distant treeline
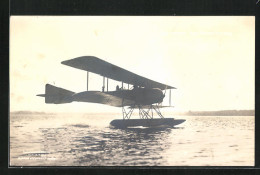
x=189 y=113
x=29 y=112
x=222 y=113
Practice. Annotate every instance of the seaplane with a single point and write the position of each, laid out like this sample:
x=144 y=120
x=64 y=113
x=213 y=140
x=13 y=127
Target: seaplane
x=144 y=94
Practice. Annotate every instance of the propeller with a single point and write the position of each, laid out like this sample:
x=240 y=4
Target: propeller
x=163 y=96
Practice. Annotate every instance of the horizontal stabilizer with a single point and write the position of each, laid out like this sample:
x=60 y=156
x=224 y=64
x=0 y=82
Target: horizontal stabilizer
x=41 y=95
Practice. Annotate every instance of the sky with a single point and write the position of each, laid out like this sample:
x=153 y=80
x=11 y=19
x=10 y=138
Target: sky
x=210 y=60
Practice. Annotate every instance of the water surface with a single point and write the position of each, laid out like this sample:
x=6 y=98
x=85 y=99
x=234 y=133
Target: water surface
x=87 y=140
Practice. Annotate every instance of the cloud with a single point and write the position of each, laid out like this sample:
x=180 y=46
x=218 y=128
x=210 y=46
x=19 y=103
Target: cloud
x=20 y=99
x=41 y=56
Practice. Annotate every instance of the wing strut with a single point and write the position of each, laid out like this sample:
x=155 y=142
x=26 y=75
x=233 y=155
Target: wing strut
x=107 y=84
x=170 y=96
x=87 y=80
x=103 y=87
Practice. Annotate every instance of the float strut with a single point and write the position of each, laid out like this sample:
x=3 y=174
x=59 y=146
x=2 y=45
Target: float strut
x=127 y=115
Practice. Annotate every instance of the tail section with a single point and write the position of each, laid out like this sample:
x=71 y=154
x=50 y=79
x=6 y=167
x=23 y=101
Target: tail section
x=56 y=95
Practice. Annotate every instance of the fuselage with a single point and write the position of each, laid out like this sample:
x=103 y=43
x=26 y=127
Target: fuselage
x=140 y=96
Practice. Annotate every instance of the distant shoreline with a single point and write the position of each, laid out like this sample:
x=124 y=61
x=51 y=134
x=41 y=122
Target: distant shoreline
x=31 y=112
x=189 y=113
x=220 y=113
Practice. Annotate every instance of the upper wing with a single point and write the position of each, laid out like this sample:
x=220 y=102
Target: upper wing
x=103 y=68
x=102 y=98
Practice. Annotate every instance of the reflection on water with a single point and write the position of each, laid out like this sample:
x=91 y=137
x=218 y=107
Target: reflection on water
x=108 y=146
x=89 y=141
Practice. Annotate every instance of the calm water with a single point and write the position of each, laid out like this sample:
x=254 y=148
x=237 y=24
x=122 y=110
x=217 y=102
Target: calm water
x=87 y=140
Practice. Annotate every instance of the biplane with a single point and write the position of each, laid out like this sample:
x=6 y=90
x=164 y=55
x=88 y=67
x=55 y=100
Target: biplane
x=142 y=93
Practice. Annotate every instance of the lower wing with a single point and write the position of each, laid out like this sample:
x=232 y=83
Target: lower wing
x=102 y=98
x=149 y=106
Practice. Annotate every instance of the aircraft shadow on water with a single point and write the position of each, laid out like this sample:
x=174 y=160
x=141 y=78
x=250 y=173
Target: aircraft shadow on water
x=145 y=95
